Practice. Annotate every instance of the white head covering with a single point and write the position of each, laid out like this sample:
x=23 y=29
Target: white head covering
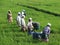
x=19 y=13
x=49 y=24
x=23 y=10
x=30 y=18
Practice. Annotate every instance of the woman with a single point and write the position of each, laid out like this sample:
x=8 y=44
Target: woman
x=9 y=16
x=46 y=33
x=19 y=19
x=23 y=24
x=30 y=26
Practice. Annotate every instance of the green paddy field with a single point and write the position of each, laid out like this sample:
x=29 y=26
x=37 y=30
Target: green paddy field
x=10 y=33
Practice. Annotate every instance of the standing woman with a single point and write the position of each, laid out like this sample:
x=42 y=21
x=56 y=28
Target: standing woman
x=23 y=24
x=19 y=19
x=30 y=26
x=9 y=16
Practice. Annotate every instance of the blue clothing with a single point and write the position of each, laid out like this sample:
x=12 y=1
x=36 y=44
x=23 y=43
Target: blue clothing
x=36 y=35
x=46 y=32
x=30 y=31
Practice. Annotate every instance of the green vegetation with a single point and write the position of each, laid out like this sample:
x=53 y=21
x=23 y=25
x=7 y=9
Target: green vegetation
x=10 y=33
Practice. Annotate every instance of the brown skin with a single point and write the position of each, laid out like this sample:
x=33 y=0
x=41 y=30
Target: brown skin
x=9 y=16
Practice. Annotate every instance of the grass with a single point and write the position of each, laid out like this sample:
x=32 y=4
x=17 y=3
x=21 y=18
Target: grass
x=10 y=33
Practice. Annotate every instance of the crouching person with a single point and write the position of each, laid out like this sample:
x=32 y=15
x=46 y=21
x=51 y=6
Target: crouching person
x=30 y=26
x=36 y=25
x=46 y=33
x=23 y=24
